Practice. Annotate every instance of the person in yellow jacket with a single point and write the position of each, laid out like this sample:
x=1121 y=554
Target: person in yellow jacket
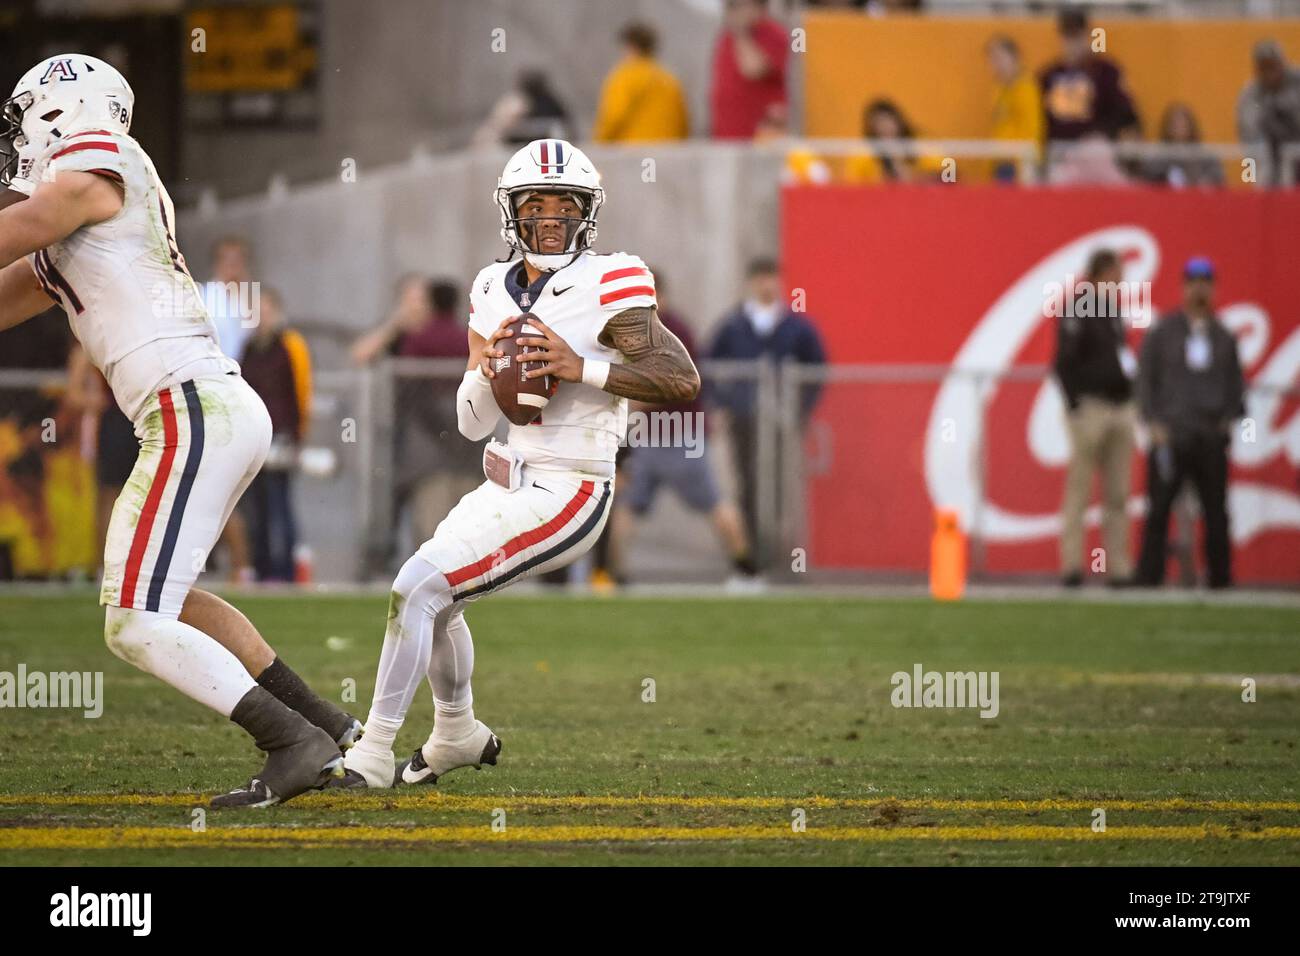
x=277 y=365
x=1017 y=101
x=641 y=100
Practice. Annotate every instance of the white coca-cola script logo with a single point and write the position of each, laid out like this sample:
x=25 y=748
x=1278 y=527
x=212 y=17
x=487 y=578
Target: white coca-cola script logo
x=954 y=435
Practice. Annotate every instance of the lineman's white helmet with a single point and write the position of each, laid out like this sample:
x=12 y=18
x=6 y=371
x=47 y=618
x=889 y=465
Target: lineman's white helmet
x=549 y=166
x=58 y=97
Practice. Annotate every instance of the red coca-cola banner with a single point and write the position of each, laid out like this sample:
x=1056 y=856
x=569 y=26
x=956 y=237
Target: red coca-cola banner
x=957 y=277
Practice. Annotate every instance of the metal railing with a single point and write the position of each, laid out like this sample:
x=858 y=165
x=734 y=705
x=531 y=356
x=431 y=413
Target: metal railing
x=347 y=489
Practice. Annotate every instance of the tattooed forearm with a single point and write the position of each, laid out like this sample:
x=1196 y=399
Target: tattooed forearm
x=656 y=368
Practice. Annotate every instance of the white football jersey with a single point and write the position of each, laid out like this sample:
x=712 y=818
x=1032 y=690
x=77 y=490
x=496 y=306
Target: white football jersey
x=123 y=283
x=581 y=427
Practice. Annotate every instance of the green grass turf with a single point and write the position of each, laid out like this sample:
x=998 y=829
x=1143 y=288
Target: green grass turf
x=767 y=697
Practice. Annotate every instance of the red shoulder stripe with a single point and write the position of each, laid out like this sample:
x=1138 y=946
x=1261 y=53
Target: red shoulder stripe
x=90 y=132
x=609 y=297
x=78 y=147
x=624 y=273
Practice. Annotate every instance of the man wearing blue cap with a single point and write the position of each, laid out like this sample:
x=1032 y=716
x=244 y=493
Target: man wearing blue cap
x=1190 y=390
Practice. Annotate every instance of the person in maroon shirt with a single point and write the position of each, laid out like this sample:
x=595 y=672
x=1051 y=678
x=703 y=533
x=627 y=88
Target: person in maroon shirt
x=1083 y=92
x=434 y=464
x=748 y=70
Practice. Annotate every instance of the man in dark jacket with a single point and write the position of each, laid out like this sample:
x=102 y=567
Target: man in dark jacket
x=761 y=327
x=1091 y=360
x=1190 y=389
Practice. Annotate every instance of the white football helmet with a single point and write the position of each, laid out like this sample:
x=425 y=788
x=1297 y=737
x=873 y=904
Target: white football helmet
x=549 y=166
x=57 y=97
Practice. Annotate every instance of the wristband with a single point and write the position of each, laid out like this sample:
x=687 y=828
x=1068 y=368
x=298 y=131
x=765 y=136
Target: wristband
x=595 y=372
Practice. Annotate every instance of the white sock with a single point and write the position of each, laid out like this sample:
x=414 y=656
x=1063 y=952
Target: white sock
x=380 y=733
x=453 y=721
x=181 y=655
x=408 y=641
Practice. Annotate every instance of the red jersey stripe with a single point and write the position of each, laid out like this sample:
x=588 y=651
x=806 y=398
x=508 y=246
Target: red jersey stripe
x=521 y=541
x=144 y=526
x=78 y=147
x=632 y=290
x=624 y=273
x=90 y=132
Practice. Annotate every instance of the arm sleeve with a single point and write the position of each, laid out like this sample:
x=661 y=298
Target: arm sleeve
x=612 y=112
x=1121 y=114
x=91 y=152
x=1147 y=375
x=1236 y=397
x=300 y=362
x=810 y=352
x=482 y=318
x=625 y=284
x=1066 y=364
x=477 y=413
x=775 y=44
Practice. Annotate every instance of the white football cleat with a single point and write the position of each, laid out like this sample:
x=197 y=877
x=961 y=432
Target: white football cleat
x=438 y=757
x=363 y=767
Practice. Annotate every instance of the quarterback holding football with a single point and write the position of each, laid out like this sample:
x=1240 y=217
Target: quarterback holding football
x=559 y=339
x=87 y=225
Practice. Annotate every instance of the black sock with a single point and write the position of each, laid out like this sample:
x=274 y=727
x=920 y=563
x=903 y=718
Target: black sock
x=290 y=689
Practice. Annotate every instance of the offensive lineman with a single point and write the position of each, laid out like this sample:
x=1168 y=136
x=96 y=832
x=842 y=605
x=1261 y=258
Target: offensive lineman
x=96 y=233
x=549 y=490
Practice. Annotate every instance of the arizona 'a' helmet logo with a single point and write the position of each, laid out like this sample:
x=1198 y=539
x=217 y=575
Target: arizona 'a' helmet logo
x=59 y=70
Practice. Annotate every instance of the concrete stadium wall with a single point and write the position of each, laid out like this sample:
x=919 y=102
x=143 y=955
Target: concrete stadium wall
x=335 y=249
x=401 y=73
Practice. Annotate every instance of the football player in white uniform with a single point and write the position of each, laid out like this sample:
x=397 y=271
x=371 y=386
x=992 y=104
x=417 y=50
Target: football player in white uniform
x=96 y=235
x=549 y=490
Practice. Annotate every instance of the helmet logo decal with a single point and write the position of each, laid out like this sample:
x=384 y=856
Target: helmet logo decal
x=558 y=161
x=59 y=70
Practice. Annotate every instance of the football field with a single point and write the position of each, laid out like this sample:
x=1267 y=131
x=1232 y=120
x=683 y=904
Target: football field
x=671 y=731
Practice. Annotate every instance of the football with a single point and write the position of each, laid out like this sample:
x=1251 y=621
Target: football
x=520 y=399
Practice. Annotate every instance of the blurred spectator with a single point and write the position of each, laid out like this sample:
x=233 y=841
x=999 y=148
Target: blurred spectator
x=1088 y=162
x=641 y=100
x=228 y=295
x=1083 y=92
x=761 y=327
x=1191 y=166
x=435 y=465
x=1017 y=103
x=528 y=111
x=883 y=120
x=748 y=69
x=688 y=471
x=1095 y=367
x=230 y=299
x=1191 y=389
x=116 y=447
x=1268 y=110
x=277 y=365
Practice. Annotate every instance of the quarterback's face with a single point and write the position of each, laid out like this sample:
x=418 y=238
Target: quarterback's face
x=547 y=221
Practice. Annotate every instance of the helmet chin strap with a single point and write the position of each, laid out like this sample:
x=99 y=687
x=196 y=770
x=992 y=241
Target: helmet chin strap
x=549 y=262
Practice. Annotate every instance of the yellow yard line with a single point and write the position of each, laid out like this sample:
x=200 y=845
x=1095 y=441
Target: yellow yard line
x=434 y=800
x=128 y=838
